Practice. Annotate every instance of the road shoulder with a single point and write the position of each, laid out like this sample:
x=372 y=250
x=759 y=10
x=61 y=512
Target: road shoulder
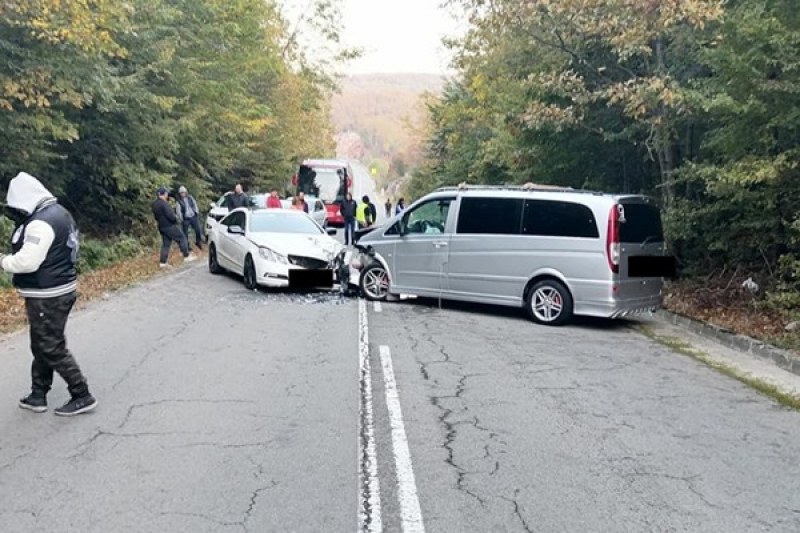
x=763 y=374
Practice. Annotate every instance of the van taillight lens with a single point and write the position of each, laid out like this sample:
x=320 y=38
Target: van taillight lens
x=294 y=180
x=613 y=247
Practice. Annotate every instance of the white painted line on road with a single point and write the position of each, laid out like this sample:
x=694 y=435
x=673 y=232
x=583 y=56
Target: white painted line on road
x=410 y=512
x=369 y=491
x=378 y=307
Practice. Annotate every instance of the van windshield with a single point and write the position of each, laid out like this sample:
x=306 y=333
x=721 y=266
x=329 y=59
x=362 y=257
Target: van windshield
x=642 y=224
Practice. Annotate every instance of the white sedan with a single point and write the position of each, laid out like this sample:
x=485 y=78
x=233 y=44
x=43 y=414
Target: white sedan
x=277 y=248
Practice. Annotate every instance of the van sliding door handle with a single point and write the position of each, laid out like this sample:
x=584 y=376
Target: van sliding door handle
x=439 y=244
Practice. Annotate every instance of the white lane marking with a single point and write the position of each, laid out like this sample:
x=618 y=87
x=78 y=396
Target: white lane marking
x=369 y=491
x=378 y=307
x=410 y=512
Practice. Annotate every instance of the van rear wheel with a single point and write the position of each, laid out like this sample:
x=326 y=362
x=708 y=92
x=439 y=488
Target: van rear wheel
x=550 y=303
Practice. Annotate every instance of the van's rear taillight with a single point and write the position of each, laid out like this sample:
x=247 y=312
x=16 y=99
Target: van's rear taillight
x=613 y=247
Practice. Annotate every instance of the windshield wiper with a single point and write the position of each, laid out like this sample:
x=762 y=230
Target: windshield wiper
x=650 y=238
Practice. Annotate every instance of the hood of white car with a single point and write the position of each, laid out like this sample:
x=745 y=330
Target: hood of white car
x=317 y=246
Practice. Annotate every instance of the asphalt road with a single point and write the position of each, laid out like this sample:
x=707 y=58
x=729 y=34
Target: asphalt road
x=225 y=410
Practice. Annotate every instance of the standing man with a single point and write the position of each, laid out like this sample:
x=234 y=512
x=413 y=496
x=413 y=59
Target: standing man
x=362 y=213
x=372 y=212
x=349 y=209
x=273 y=200
x=44 y=253
x=237 y=199
x=388 y=208
x=301 y=199
x=168 y=227
x=189 y=216
x=401 y=207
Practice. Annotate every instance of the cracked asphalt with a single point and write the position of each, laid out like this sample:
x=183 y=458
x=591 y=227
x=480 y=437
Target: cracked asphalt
x=224 y=410
x=221 y=410
x=515 y=427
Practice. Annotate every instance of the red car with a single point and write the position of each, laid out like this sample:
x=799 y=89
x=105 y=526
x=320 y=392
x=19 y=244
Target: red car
x=329 y=180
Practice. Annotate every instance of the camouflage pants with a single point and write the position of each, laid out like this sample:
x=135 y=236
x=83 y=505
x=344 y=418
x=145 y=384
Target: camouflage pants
x=47 y=319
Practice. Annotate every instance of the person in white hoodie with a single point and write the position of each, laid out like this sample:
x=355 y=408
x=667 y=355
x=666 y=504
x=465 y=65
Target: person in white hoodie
x=44 y=254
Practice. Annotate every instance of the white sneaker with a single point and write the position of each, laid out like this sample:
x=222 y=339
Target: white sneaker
x=164 y=265
x=189 y=258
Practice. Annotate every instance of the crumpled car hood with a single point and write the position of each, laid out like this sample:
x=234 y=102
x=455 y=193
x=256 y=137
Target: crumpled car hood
x=317 y=246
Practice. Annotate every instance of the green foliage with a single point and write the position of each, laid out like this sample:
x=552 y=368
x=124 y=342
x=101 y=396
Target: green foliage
x=106 y=101
x=6 y=229
x=95 y=254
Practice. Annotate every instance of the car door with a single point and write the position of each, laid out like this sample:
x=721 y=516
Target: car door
x=420 y=254
x=229 y=243
x=240 y=244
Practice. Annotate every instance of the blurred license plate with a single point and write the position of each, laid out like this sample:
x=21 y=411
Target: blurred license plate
x=652 y=266
x=310 y=279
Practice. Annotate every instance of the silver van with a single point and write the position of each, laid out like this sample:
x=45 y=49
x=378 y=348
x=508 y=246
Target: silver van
x=557 y=252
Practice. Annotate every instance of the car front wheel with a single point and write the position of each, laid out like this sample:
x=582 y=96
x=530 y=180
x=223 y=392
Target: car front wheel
x=213 y=261
x=549 y=302
x=374 y=282
x=250 y=279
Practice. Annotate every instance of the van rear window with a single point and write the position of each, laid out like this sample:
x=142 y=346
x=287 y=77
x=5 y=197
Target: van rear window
x=642 y=223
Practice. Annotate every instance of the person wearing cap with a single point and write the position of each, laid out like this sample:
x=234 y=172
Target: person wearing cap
x=44 y=248
x=167 y=222
x=189 y=216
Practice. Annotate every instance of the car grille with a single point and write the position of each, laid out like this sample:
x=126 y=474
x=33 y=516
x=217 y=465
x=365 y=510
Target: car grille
x=308 y=262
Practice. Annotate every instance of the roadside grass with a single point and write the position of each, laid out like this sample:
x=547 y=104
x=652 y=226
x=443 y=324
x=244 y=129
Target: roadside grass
x=684 y=348
x=115 y=275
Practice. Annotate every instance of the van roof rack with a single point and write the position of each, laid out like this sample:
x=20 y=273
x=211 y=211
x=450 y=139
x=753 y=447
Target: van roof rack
x=525 y=187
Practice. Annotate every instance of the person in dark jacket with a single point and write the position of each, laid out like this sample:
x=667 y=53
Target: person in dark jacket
x=167 y=222
x=189 y=216
x=237 y=199
x=401 y=207
x=348 y=209
x=44 y=254
x=388 y=208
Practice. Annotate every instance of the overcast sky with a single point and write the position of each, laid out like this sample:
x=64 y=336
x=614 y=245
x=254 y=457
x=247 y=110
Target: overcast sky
x=395 y=35
x=398 y=35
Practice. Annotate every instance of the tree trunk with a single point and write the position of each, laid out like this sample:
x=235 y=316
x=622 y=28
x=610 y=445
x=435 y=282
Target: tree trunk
x=664 y=141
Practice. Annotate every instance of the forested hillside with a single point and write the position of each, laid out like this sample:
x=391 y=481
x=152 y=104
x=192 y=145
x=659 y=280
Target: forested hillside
x=376 y=116
x=696 y=102
x=107 y=100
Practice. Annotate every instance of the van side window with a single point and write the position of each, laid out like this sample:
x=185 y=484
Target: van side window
x=430 y=217
x=497 y=216
x=558 y=219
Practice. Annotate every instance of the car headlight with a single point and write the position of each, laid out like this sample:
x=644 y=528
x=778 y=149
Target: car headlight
x=271 y=255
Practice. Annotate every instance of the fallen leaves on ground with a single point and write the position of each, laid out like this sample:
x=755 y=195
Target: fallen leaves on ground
x=723 y=303
x=90 y=286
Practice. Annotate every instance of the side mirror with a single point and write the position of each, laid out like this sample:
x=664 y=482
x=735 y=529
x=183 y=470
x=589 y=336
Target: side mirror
x=235 y=230
x=331 y=232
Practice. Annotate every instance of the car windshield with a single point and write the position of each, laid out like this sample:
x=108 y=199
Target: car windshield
x=274 y=222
